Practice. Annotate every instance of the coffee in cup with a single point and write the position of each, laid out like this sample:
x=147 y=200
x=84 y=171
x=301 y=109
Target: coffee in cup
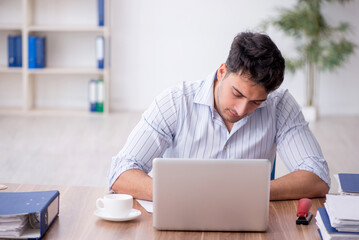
x=115 y=205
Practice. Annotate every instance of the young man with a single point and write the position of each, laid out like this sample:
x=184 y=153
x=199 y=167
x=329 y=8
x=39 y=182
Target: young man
x=235 y=113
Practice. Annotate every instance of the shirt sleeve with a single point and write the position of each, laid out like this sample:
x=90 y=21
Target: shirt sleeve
x=149 y=139
x=296 y=144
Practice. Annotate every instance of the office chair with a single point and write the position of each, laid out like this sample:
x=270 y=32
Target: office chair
x=272 y=175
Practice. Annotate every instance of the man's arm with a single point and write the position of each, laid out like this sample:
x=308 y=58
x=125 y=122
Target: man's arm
x=134 y=182
x=301 y=153
x=148 y=140
x=296 y=185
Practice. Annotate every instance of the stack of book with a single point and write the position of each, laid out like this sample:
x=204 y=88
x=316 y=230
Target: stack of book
x=96 y=95
x=14 y=44
x=339 y=218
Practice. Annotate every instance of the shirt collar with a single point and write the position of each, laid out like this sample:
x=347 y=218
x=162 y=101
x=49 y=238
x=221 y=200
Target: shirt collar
x=204 y=95
x=263 y=104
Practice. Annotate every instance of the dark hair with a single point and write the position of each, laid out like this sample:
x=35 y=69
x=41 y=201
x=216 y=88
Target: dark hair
x=256 y=55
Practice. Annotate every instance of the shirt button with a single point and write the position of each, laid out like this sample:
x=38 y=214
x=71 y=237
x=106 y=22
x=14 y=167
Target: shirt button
x=225 y=147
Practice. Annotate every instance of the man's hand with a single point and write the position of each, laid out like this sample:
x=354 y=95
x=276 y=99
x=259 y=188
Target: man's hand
x=296 y=185
x=134 y=182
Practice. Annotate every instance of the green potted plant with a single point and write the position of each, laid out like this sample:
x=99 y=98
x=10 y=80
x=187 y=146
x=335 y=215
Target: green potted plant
x=319 y=46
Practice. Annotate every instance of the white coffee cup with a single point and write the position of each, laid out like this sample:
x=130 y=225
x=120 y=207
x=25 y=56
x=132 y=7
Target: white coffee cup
x=116 y=205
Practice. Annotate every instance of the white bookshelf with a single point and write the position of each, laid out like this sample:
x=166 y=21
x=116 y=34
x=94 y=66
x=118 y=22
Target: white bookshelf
x=102 y=30
x=49 y=18
x=10 y=27
x=5 y=69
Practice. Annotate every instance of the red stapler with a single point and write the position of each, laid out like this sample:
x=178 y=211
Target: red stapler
x=303 y=214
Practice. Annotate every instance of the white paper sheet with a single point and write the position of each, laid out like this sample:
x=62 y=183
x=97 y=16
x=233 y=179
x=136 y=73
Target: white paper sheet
x=148 y=205
x=343 y=207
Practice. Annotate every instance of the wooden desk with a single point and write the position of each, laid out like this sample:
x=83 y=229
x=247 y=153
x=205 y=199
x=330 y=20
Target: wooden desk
x=77 y=221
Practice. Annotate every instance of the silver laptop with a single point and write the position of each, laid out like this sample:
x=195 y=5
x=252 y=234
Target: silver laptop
x=211 y=194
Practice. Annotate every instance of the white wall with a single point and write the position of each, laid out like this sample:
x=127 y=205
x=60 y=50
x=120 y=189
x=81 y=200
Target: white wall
x=158 y=43
x=339 y=90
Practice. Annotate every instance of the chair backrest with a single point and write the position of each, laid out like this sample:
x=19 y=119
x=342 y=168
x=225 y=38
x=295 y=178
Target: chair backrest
x=272 y=175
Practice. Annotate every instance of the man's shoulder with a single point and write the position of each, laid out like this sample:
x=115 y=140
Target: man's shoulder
x=189 y=91
x=278 y=96
x=283 y=104
x=186 y=90
x=278 y=93
x=281 y=100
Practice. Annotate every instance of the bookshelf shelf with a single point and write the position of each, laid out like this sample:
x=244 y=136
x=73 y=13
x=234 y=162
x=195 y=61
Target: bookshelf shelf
x=72 y=112
x=11 y=110
x=67 y=70
x=10 y=27
x=4 y=69
x=70 y=29
x=66 y=28
x=48 y=112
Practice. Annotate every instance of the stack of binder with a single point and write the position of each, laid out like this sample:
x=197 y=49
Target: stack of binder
x=27 y=214
x=339 y=218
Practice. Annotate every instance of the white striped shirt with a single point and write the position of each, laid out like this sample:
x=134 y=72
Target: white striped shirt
x=183 y=123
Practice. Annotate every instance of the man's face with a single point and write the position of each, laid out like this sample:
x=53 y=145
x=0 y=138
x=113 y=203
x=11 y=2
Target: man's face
x=236 y=96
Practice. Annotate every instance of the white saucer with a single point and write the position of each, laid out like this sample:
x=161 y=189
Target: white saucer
x=132 y=215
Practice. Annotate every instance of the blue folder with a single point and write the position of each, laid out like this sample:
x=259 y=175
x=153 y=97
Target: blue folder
x=101 y=12
x=328 y=226
x=325 y=218
x=92 y=95
x=32 y=52
x=18 y=51
x=40 y=52
x=349 y=182
x=320 y=234
x=11 y=51
x=37 y=52
x=42 y=206
x=100 y=51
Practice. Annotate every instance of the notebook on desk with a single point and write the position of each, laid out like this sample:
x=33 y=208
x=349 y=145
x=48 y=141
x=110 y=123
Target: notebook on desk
x=211 y=195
